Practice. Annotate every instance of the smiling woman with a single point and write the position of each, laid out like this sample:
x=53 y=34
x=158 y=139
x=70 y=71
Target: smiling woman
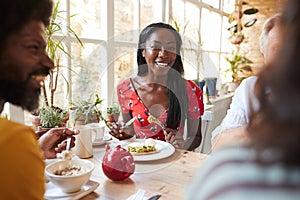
x=160 y=51
x=160 y=90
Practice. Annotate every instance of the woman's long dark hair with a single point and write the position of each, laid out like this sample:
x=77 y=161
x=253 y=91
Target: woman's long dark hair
x=277 y=124
x=175 y=83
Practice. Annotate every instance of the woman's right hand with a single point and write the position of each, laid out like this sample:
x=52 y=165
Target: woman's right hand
x=119 y=131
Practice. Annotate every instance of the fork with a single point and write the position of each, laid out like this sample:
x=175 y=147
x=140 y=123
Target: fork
x=128 y=123
x=153 y=119
x=68 y=144
x=154 y=197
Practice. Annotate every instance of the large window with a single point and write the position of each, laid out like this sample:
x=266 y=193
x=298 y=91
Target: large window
x=109 y=31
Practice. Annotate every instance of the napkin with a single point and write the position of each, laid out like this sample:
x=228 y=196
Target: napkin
x=139 y=195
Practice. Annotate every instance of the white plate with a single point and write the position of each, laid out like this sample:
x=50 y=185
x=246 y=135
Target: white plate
x=163 y=150
x=105 y=139
x=53 y=192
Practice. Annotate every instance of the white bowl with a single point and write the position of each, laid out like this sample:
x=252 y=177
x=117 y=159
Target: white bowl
x=70 y=183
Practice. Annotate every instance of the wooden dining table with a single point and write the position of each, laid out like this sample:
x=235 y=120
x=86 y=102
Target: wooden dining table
x=168 y=177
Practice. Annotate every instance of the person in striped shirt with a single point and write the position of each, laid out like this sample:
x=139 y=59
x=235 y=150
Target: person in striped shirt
x=269 y=167
x=232 y=128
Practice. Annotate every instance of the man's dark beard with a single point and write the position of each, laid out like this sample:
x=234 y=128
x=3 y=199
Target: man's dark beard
x=20 y=94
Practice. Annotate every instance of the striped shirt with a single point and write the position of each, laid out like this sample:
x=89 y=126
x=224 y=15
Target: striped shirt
x=233 y=174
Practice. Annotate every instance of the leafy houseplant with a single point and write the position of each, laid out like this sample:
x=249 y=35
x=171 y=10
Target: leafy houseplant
x=51 y=117
x=86 y=111
x=48 y=117
x=113 y=109
x=113 y=113
x=55 y=49
x=83 y=112
x=240 y=67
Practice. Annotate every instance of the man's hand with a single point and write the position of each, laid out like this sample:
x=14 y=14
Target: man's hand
x=54 y=141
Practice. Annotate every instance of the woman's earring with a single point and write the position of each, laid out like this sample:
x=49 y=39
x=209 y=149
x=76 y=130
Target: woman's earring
x=143 y=53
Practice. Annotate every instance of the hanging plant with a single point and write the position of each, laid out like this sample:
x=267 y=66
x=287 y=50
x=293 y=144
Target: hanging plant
x=237 y=38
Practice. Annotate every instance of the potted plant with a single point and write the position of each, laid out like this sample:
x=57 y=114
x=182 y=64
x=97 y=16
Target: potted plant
x=86 y=111
x=240 y=65
x=83 y=112
x=240 y=68
x=113 y=113
x=237 y=36
x=55 y=49
x=49 y=117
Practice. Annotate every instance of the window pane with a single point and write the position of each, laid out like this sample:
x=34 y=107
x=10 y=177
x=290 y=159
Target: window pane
x=225 y=76
x=228 y=5
x=58 y=91
x=89 y=64
x=226 y=45
x=124 y=63
x=87 y=18
x=88 y=67
x=125 y=66
x=151 y=11
x=191 y=66
x=211 y=63
x=210 y=30
x=177 y=13
x=192 y=20
x=192 y=42
x=124 y=20
x=213 y=3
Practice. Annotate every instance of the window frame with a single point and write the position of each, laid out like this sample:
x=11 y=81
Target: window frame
x=108 y=27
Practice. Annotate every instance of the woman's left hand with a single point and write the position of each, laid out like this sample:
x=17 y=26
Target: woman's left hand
x=173 y=137
x=54 y=141
x=119 y=131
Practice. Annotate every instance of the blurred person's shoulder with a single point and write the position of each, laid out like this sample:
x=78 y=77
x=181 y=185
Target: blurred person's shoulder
x=23 y=159
x=9 y=128
x=248 y=83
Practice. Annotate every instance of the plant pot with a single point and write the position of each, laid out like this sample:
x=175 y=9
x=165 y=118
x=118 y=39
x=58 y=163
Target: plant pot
x=35 y=121
x=76 y=120
x=65 y=120
x=112 y=118
x=236 y=38
x=237 y=15
x=232 y=86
